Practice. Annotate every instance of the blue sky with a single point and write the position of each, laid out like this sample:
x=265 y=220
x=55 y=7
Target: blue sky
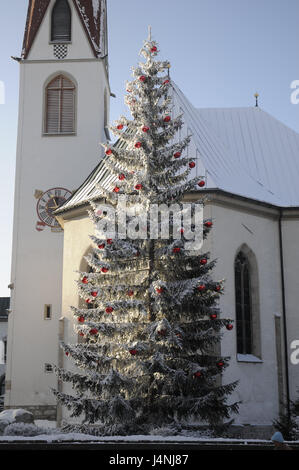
x=221 y=52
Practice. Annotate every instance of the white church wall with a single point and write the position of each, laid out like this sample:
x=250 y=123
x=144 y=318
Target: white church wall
x=233 y=227
x=290 y=236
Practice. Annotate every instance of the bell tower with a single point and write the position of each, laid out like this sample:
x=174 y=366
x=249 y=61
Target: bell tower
x=63 y=113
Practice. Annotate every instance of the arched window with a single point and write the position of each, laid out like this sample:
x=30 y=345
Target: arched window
x=61 y=24
x=60 y=106
x=243 y=304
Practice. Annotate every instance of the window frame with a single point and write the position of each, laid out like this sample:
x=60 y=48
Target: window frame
x=243 y=323
x=59 y=75
x=60 y=41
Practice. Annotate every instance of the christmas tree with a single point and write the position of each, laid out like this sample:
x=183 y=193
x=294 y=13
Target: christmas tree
x=150 y=327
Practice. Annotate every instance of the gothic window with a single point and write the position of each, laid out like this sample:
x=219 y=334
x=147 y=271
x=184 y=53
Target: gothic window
x=243 y=304
x=60 y=106
x=61 y=22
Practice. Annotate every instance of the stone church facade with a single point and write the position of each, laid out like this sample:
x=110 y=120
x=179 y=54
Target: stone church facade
x=248 y=161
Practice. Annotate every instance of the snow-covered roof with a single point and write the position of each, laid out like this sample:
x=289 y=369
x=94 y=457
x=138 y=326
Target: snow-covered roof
x=244 y=151
x=92 y=14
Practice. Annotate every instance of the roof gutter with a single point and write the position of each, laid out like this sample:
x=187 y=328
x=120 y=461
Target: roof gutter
x=284 y=315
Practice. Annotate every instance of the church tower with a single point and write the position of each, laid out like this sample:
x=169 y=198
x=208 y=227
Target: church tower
x=63 y=115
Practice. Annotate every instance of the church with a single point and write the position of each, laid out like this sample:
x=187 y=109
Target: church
x=248 y=162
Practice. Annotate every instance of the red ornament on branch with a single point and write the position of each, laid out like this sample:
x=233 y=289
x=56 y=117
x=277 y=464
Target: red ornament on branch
x=108 y=152
x=93 y=331
x=94 y=294
x=120 y=127
x=203 y=261
x=160 y=290
x=130 y=293
x=192 y=164
x=213 y=316
x=217 y=288
x=229 y=326
x=133 y=352
x=198 y=374
x=176 y=249
x=167 y=119
x=121 y=177
x=101 y=246
x=88 y=301
x=104 y=270
x=154 y=49
x=81 y=319
x=201 y=287
x=220 y=364
x=109 y=309
x=201 y=183
x=85 y=280
x=138 y=145
x=145 y=129
x=177 y=154
x=142 y=78
x=81 y=333
x=208 y=224
x=165 y=82
x=109 y=241
x=116 y=189
x=138 y=186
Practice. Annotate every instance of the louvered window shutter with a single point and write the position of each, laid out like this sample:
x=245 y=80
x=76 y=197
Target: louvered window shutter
x=60 y=106
x=61 y=22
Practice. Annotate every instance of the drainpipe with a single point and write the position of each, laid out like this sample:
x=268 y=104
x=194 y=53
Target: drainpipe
x=285 y=335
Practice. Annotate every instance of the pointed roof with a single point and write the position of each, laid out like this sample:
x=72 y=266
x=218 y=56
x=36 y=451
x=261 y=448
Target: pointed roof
x=92 y=14
x=242 y=151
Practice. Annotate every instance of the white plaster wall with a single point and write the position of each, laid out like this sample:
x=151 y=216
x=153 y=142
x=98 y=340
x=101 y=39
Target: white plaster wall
x=44 y=162
x=257 y=389
x=290 y=230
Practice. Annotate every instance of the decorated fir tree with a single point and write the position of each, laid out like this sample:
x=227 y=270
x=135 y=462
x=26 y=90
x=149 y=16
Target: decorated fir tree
x=150 y=327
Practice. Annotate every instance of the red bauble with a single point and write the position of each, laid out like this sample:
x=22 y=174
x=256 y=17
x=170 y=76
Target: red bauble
x=145 y=129
x=138 y=145
x=133 y=352
x=201 y=287
x=101 y=246
x=121 y=177
x=104 y=270
x=182 y=230
x=109 y=309
x=108 y=152
x=130 y=293
x=116 y=189
x=85 y=280
x=93 y=331
x=120 y=127
x=217 y=288
x=201 y=183
x=142 y=78
x=81 y=319
x=203 y=261
x=176 y=249
x=165 y=82
x=138 y=186
x=198 y=374
x=154 y=49
x=160 y=290
x=94 y=294
x=67 y=353
x=109 y=241
x=167 y=119
x=192 y=164
x=177 y=154
x=229 y=326
x=208 y=224
x=129 y=91
x=81 y=333
x=88 y=301
x=213 y=316
x=162 y=332
x=220 y=364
